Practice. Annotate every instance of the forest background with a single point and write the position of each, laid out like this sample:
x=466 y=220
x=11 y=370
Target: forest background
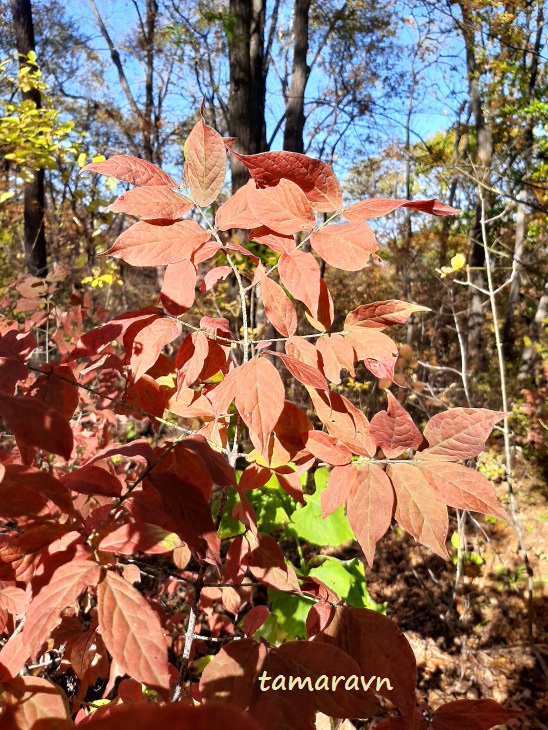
x=405 y=100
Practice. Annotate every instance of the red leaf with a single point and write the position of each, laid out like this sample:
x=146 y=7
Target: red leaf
x=267 y=564
x=459 y=433
x=17 y=345
x=337 y=354
x=417 y=509
x=92 y=480
x=35 y=424
x=472 y=715
x=138 y=450
x=139 y=537
x=253 y=477
x=327 y=448
x=188 y=514
x=205 y=163
x=58 y=389
x=213 y=276
x=345 y=246
x=369 y=507
x=380 y=649
x=132 y=170
x=152 y=203
x=143 y=350
x=132 y=632
x=235 y=212
x=277 y=306
x=314 y=177
x=96 y=340
x=231 y=675
x=35 y=702
x=254 y=619
x=21 y=480
x=305 y=374
x=393 y=430
x=377 y=207
x=283 y=208
x=275 y=241
x=300 y=274
x=190 y=359
x=64 y=587
x=150 y=244
x=378 y=352
x=460 y=487
x=339 y=483
x=259 y=398
x=380 y=315
x=178 y=288
x=179 y=715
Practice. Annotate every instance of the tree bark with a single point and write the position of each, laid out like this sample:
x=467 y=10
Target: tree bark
x=529 y=354
x=246 y=116
x=34 y=193
x=300 y=71
x=149 y=120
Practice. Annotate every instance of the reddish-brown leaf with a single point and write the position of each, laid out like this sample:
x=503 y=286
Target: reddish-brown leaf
x=305 y=374
x=131 y=170
x=143 y=350
x=327 y=448
x=138 y=450
x=178 y=288
x=92 y=480
x=345 y=246
x=259 y=398
x=180 y=715
x=380 y=649
x=253 y=477
x=35 y=703
x=22 y=480
x=369 y=507
x=300 y=274
x=254 y=619
x=58 y=389
x=278 y=307
x=472 y=715
x=190 y=359
x=35 y=424
x=132 y=632
x=96 y=340
x=205 y=163
x=139 y=537
x=380 y=315
x=393 y=430
x=314 y=177
x=266 y=562
x=231 y=675
x=377 y=207
x=150 y=244
x=460 y=487
x=378 y=352
x=64 y=587
x=459 y=433
x=151 y=203
x=235 y=212
x=417 y=508
x=337 y=354
x=283 y=208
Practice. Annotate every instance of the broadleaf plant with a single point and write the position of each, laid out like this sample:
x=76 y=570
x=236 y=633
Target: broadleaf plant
x=120 y=560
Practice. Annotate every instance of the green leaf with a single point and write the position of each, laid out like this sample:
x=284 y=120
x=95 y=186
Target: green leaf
x=272 y=505
x=308 y=524
x=287 y=619
x=347 y=579
x=229 y=525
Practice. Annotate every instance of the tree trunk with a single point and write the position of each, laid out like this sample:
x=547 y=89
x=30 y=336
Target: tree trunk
x=246 y=115
x=529 y=354
x=300 y=71
x=34 y=195
x=476 y=349
x=149 y=122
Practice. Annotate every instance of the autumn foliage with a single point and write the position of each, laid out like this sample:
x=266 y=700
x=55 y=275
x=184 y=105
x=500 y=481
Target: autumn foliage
x=112 y=566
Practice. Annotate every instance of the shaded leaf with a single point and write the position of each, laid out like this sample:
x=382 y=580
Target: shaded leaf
x=259 y=398
x=327 y=448
x=378 y=352
x=178 y=287
x=34 y=701
x=254 y=619
x=472 y=714
x=305 y=374
x=92 y=480
x=393 y=430
x=277 y=306
x=139 y=537
x=300 y=274
x=380 y=315
x=376 y=207
x=143 y=349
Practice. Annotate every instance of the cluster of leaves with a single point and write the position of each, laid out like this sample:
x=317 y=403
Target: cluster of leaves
x=100 y=537
x=31 y=137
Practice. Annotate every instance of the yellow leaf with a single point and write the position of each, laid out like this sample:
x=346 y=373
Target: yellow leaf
x=457 y=262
